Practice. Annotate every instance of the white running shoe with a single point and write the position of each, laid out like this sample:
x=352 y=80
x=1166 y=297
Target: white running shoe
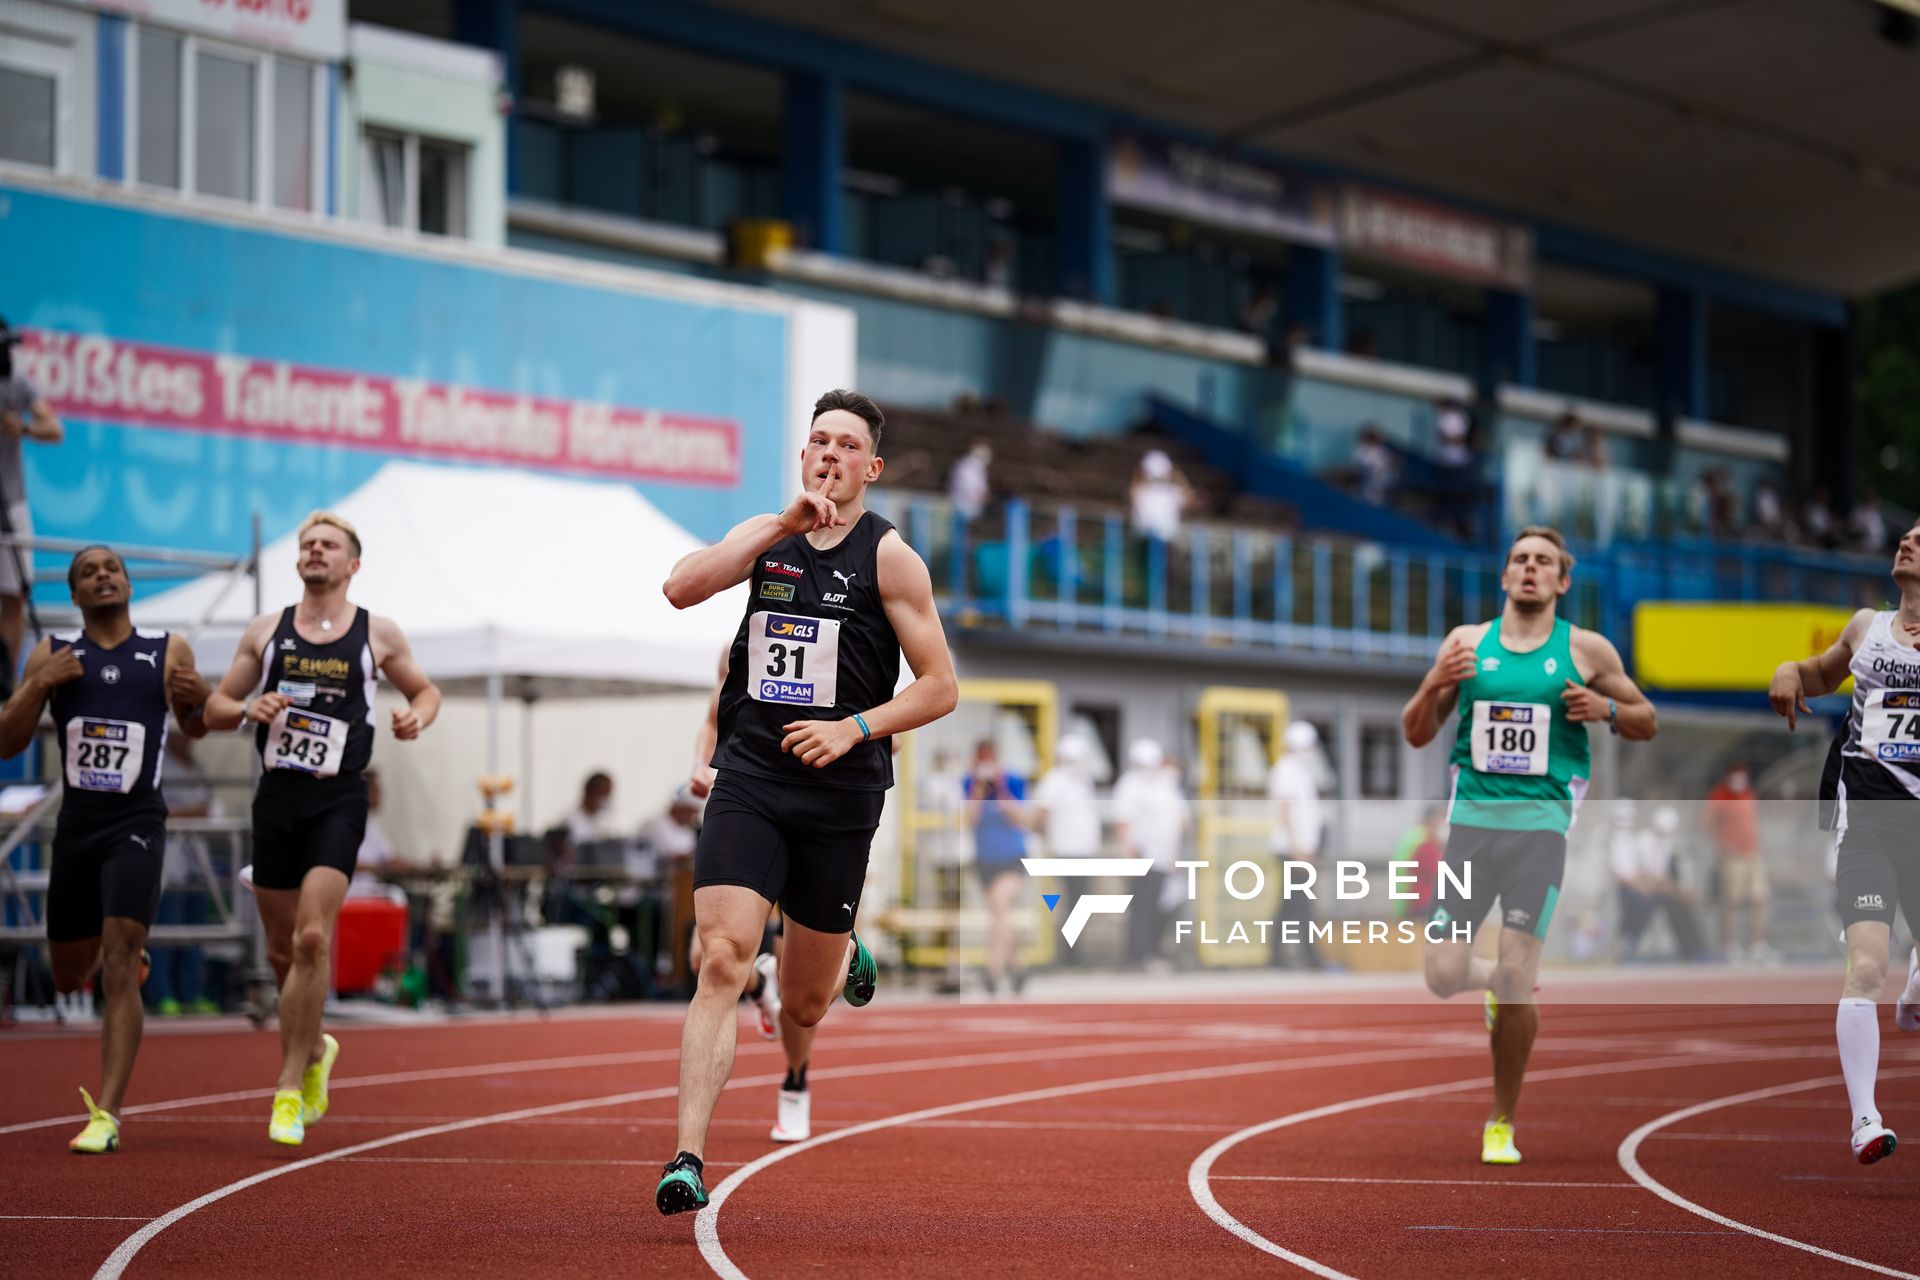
x=246 y=877
x=796 y=1117
x=1906 y=1014
x=768 y=999
x=1873 y=1141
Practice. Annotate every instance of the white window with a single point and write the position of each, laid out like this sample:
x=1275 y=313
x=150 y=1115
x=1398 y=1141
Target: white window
x=33 y=84
x=410 y=183
x=214 y=119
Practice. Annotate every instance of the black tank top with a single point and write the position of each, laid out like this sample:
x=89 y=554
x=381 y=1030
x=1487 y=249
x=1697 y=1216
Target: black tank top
x=815 y=645
x=327 y=731
x=111 y=724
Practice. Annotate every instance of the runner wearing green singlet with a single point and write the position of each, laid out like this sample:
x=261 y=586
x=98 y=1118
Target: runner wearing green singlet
x=1527 y=685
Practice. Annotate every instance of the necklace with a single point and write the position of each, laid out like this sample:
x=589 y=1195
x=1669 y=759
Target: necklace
x=326 y=623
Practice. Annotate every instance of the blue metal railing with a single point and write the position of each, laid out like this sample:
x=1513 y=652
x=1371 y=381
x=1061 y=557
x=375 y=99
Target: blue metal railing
x=1084 y=569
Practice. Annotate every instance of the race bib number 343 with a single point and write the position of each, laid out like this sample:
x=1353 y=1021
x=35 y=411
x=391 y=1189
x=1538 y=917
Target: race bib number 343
x=309 y=743
x=1890 y=725
x=793 y=659
x=104 y=755
x=1511 y=737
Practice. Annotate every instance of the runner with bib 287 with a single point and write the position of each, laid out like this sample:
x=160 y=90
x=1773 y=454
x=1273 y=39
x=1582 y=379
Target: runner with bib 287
x=1527 y=685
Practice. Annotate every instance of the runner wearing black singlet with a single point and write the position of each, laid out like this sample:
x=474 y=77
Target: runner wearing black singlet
x=110 y=686
x=836 y=597
x=311 y=671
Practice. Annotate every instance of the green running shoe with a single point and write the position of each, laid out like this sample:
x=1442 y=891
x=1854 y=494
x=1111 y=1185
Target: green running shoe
x=681 y=1189
x=861 y=975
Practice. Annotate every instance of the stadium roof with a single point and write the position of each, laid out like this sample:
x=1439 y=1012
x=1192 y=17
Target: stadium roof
x=1770 y=136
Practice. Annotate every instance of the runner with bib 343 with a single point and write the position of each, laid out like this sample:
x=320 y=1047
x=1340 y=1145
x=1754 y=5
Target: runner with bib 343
x=1527 y=685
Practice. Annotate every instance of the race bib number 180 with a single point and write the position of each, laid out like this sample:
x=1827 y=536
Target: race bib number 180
x=1511 y=737
x=309 y=743
x=793 y=659
x=1890 y=725
x=104 y=755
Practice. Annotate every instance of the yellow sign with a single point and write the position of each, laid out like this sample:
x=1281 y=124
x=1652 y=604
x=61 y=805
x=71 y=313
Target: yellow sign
x=1727 y=647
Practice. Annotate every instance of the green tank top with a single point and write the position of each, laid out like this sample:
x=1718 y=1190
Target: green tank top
x=1518 y=763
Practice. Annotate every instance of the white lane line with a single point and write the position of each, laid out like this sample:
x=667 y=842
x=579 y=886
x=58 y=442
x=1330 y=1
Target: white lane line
x=1199 y=1174
x=641 y=1164
x=117 y=1263
x=707 y=1225
x=1629 y=1158
x=1492 y=1184
x=519 y=1067
x=1582 y=1231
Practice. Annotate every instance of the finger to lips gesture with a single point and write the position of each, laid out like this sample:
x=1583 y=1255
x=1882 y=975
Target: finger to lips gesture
x=812 y=509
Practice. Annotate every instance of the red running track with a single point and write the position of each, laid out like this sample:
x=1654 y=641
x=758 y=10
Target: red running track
x=1006 y=1140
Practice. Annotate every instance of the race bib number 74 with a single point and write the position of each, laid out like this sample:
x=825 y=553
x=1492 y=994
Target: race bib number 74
x=1511 y=737
x=793 y=659
x=1890 y=725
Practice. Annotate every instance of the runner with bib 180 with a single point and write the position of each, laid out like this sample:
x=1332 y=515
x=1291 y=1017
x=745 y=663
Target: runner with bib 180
x=1527 y=684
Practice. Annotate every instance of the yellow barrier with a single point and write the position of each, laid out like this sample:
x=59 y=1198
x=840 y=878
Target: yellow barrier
x=1726 y=647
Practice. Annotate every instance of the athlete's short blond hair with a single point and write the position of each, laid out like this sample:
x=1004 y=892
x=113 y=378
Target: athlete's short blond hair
x=1552 y=535
x=327 y=517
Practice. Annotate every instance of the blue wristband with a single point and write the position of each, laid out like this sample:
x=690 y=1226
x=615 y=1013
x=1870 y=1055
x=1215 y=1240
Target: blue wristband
x=866 y=734
x=1613 y=711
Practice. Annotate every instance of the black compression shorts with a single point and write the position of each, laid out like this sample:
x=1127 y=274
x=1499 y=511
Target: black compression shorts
x=1877 y=870
x=302 y=822
x=1522 y=869
x=104 y=869
x=804 y=848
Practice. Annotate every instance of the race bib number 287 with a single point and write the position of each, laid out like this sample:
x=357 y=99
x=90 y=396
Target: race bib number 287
x=793 y=659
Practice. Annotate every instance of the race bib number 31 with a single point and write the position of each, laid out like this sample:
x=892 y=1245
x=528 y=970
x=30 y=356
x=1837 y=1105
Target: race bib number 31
x=1511 y=737
x=793 y=659
x=301 y=740
x=1890 y=726
x=104 y=755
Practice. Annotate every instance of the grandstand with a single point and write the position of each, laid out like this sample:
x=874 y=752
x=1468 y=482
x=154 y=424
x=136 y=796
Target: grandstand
x=1381 y=282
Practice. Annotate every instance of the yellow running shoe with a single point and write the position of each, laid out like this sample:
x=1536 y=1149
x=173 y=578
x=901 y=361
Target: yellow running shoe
x=1496 y=1143
x=285 y=1126
x=313 y=1085
x=1493 y=1010
x=101 y=1136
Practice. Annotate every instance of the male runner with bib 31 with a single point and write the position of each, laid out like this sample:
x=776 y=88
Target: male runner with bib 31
x=1877 y=870
x=110 y=686
x=313 y=668
x=1527 y=685
x=836 y=597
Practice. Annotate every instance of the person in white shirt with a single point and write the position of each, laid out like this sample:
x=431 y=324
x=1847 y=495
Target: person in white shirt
x=1151 y=818
x=1160 y=496
x=593 y=820
x=1643 y=870
x=1066 y=813
x=1299 y=832
x=967 y=483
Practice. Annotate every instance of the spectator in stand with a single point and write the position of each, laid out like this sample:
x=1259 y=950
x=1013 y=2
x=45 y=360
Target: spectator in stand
x=1593 y=449
x=1420 y=851
x=177 y=982
x=967 y=485
x=998 y=272
x=1644 y=872
x=996 y=810
x=1299 y=834
x=1564 y=441
x=1161 y=497
x=1816 y=518
x=1867 y=527
x=1769 y=517
x=24 y=415
x=1375 y=465
x=1453 y=433
x=1733 y=818
x=1150 y=820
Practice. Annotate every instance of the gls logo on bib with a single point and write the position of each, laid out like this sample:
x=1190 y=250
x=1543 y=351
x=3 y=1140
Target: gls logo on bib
x=786 y=627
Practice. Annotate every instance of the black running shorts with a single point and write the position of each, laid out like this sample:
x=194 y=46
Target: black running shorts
x=302 y=822
x=802 y=847
x=1878 y=870
x=1522 y=869
x=104 y=869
